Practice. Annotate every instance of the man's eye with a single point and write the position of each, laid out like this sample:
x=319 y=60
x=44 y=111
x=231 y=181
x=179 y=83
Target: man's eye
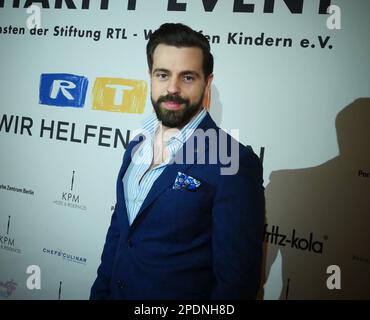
x=188 y=78
x=161 y=76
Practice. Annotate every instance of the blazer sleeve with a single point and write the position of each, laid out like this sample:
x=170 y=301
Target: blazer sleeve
x=238 y=220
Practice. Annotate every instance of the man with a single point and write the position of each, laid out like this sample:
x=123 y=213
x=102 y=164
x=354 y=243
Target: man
x=184 y=227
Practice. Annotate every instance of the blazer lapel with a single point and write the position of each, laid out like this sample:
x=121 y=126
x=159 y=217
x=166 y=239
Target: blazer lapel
x=170 y=172
x=121 y=203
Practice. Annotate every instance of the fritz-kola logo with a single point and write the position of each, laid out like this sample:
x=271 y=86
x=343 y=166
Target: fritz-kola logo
x=108 y=94
x=69 y=198
x=293 y=240
x=7 y=242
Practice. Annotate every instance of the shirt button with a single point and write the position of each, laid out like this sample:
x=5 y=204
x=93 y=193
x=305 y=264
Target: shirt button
x=120 y=284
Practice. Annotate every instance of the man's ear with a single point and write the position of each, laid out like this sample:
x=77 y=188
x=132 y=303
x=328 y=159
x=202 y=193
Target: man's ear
x=209 y=81
x=207 y=93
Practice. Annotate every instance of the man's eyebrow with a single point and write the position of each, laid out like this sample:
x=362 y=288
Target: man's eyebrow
x=185 y=72
x=161 y=70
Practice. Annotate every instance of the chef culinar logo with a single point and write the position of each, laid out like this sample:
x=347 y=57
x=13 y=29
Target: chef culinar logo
x=69 y=198
x=7 y=242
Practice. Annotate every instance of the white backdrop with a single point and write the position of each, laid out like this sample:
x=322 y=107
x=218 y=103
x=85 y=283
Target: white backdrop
x=56 y=195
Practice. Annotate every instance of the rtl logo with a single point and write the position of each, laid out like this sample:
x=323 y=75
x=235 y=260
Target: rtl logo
x=108 y=94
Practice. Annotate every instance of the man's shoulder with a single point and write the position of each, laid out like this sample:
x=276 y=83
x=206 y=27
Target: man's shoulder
x=208 y=124
x=232 y=155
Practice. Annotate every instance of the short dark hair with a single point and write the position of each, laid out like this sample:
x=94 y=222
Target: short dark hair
x=180 y=35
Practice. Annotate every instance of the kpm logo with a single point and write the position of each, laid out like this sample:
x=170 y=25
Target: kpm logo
x=108 y=94
x=69 y=198
x=7 y=242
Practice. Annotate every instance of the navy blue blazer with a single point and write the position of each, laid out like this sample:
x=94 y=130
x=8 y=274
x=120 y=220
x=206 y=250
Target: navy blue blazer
x=202 y=244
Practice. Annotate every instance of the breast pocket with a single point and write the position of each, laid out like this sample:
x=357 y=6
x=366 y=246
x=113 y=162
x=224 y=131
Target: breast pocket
x=185 y=206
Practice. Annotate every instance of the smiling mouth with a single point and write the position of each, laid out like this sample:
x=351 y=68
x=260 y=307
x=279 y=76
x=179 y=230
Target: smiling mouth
x=172 y=105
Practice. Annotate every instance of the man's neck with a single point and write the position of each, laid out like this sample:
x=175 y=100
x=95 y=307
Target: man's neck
x=162 y=135
x=167 y=132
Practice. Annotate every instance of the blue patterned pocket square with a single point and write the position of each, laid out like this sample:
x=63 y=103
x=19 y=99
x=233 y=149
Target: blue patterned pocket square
x=186 y=182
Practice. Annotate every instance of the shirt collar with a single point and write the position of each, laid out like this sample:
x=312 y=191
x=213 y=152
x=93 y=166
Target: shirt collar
x=150 y=126
x=183 y=134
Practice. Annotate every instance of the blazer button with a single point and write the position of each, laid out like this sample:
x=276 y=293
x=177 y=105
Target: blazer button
x=129 y=243
x=120 y=284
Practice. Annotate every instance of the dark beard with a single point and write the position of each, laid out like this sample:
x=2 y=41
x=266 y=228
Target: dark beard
x=176 y=118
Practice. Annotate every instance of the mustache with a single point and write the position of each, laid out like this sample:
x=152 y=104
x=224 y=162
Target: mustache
x=172 y=98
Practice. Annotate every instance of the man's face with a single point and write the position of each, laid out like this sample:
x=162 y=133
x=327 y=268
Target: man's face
x=178 y=84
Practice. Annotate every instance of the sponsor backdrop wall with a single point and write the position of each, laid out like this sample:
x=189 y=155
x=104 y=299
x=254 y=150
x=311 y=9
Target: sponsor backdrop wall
x=73 y=93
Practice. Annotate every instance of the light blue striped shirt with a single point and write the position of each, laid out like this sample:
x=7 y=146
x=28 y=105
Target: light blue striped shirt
x=138 y=180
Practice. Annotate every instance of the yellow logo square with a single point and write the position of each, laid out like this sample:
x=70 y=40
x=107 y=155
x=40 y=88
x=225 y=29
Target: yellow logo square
x=119 y=95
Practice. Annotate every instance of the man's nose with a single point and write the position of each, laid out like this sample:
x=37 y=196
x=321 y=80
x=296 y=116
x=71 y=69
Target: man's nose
x=173 y=86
